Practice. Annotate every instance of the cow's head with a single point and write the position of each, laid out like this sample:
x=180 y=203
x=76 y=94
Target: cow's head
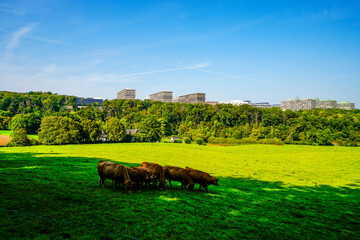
x=215 y=181
x=128 y=185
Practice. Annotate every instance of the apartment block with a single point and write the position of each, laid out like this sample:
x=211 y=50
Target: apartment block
x=126 y=93
x=309 y=103
x=326 y=104
x=163 y=96
x=346 y=105
x=192 y=98
x=298 y=104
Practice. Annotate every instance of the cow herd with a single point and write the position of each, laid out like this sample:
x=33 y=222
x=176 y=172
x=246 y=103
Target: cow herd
x=152 y=173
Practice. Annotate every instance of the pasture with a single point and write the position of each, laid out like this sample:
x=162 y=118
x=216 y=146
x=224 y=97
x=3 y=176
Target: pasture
x=265 y=192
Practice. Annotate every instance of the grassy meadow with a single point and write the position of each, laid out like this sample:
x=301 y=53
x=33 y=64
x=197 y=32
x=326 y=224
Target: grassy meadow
x=265 y=192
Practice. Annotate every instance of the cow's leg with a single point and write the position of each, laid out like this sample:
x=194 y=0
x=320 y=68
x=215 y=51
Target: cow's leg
x=170 y=183
x=199 y=187
x=100 y=181
x=205 y=186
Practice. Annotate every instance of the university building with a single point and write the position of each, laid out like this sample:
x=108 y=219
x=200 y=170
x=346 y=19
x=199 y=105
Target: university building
x=126 y=93
x=309 y=103
x=163 y=96
x=346 y=105
x=90 y=101
x=192 y=98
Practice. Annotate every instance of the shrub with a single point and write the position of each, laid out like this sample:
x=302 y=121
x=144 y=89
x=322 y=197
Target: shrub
x=19 y=138
x=187 y=140
x=200 y=141
x=275 y=141
x=34 y=142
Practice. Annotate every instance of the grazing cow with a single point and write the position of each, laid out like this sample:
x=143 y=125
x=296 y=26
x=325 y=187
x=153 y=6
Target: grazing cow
x=202 y=178
x=135 y=177
x=158 y=172
x=146 y=175
x=114 y=171
x=180 y=175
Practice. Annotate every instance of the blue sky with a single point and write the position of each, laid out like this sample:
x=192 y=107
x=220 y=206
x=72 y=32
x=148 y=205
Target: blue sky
x=256 y=50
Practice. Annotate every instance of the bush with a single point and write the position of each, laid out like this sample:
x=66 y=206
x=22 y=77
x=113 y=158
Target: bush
x=34 y=142
x=200 y=141
x=178 y=141
x=275 y=141
x=187 y=140
x=19 y=138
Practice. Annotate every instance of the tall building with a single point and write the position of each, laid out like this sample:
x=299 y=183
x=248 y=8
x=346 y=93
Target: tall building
x=163 y=96
x=298 y=104
x=346 y=105
x=192 y=98
x=326 y=104
x=126 y=93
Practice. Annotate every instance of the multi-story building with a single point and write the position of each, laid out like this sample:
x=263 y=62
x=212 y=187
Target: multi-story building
x=163 y=96
x=90 y=101
x=346 y=105
x=126 y=93
x=309 y=103
x=326 y=104
x=192 y=98
x=261 y=105
x=298 y=104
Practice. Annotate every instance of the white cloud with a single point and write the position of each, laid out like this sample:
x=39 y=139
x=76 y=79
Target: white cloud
x=17 y=35
x=11 y=10
x=195 y=66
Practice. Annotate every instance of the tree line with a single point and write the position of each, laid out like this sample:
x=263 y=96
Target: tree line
x=58 y=120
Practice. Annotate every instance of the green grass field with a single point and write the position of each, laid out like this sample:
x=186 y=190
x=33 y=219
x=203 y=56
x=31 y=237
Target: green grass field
x=265 y=192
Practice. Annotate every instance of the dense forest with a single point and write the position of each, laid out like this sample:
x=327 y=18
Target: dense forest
x=58 y=120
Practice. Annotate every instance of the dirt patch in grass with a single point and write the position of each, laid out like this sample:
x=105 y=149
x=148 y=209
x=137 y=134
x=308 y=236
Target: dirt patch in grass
x=4 y=140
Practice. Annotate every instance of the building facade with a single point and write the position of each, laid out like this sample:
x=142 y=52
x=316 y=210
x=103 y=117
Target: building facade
x=163 y=96
x=261 y=105
x=346 y=105
x=326 y=104
x=90 y=101
x=192 y=98
x=126 y=93
x=309 y=103
x=298 y=104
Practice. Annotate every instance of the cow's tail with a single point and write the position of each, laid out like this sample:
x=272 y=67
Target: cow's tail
x=126 y=175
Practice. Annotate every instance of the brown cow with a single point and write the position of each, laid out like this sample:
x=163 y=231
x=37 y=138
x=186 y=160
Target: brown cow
x=202 y=178
x=180 y=175
x=135 y=177
x=146 y=175
x=158 y=172
x=114 y=171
